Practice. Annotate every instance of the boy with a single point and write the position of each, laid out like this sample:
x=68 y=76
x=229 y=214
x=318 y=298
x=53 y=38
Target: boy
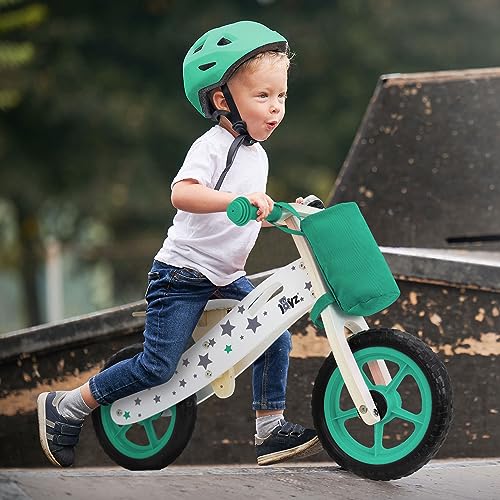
x=236 y=75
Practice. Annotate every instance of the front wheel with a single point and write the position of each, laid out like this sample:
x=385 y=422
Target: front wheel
x=415 y=407
x=152 y=443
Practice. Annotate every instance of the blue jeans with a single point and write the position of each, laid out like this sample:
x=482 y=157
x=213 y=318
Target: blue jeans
x=176 y=298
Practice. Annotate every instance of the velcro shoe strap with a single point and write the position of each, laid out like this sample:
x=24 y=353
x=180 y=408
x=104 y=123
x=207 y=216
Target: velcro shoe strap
x=67 y=429
x=63 y=440
x=285 y=430
x=297 y=430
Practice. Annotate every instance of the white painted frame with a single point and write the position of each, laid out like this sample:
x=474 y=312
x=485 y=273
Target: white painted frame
x=251 y=326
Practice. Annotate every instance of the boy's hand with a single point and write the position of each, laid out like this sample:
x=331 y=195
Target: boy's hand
x=263 y=202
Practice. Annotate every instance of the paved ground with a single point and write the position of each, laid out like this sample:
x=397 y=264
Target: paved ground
x=473 y=479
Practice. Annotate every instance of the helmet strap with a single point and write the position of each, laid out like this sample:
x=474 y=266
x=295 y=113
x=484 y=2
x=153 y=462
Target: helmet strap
x=239 y=126
x=237 y=142
x=218 y=113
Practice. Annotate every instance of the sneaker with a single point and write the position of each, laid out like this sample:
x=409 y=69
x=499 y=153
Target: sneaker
x=58 y=435
x=286 y=441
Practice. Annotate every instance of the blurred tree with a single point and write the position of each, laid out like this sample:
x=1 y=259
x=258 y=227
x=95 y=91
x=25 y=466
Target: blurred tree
x=16 y=20
x=88 y=154
x=15 y=16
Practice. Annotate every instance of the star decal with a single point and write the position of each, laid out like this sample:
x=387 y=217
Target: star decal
x=265 y=313
x=228 y=349
x=176 y=372
x=308 y=286
x=241 y=309
x=227 y=328
x=194 y=375
x=174 y=393
x=185 y=362
x=126 y=415
x=293 y=268
x=137 y=402
x=182 y=383
x=157 y=399
x=241 y=337
x=204 y=360
x=212 y=342
x=253 y=324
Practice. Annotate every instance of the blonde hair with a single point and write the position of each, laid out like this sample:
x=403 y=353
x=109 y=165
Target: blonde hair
x=272 y=56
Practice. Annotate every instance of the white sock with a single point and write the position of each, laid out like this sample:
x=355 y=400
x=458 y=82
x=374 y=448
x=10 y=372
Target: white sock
x=265 y=425
x=72 y=406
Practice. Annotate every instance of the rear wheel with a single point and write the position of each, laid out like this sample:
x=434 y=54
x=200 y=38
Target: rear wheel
x=415 y=407
x=152 y=443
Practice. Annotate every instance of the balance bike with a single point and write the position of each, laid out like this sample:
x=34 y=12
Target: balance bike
x=381 y=403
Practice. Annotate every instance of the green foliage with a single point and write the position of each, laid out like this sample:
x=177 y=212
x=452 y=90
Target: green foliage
x=89 y=152
x=15 y=54
x=23 y=17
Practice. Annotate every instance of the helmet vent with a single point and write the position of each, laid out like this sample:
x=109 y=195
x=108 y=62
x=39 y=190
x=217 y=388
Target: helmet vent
x=206 y=66
x=199 y=48
x=224 y=41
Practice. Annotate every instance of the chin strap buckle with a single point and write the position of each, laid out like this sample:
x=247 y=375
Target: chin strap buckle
x=241 y=128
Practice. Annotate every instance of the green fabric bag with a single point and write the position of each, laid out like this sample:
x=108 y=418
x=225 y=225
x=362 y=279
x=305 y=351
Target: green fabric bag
x=358 y=277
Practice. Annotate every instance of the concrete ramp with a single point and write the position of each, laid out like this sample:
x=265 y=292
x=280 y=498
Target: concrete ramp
x=479 y=480
x=425 y=164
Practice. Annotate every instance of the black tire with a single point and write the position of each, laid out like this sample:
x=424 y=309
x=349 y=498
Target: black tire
x=430 y=432
x=180 y=429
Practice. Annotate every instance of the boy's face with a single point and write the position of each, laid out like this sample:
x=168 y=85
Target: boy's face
x=260 y=95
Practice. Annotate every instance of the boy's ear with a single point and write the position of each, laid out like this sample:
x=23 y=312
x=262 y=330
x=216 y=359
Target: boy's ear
x=219 y=101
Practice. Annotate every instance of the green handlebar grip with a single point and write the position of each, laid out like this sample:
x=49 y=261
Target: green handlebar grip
x=241 y=211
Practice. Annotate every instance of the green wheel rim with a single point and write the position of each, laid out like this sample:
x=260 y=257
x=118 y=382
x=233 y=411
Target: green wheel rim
x=117 y=434
x=336 y=418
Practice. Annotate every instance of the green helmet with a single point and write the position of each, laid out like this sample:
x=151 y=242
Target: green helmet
x=214 y=57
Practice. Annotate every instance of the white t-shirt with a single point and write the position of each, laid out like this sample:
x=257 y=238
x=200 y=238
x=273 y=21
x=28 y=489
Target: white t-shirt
x=211 y=243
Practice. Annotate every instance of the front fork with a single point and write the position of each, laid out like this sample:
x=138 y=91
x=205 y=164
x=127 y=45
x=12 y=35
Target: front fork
x=334 y=322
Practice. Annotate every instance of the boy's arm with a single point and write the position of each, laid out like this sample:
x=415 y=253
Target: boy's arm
x=191 y=196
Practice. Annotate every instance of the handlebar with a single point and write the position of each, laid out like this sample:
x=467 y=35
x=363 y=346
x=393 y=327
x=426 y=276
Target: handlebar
x=241 y=212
